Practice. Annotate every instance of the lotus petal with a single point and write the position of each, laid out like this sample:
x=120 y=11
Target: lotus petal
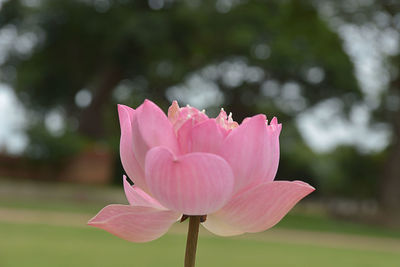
x=137 y=197
x=151 y=128
x=129 y=162
x=252 y=150
x=192 y=184
x=206 y=136
x=258 y=208
x=134 y=223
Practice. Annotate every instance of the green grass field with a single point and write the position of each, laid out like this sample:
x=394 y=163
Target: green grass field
x=42 y=245
x=45 y=230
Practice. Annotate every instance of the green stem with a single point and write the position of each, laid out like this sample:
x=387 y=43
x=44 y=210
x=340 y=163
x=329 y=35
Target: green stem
x=191 y=243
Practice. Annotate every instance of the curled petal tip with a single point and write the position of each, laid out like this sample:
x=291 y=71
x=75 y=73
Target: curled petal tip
x=174 y=105
x=275 y=126
x=261 y=116
x=173 y=112
x=149 y=104
x=311 y=188
x=120 y=106
x=123 y=111
x=226 y=121
x=222 y=114
x=178 y=116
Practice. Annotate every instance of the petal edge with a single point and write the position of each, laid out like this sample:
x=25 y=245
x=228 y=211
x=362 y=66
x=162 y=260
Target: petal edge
x=135 y=224
x=262 y=206
x=137 y=197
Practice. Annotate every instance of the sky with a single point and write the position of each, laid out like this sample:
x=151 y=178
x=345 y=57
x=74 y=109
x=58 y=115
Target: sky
x=321 y=127
x=368 y=46
x=12 y=122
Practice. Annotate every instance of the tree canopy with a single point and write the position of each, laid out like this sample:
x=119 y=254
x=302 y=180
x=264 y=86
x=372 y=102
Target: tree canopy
x=274 y=57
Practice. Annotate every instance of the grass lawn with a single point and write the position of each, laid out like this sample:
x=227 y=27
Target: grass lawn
x=31 y=235
x=294 y=220
x=42 y=245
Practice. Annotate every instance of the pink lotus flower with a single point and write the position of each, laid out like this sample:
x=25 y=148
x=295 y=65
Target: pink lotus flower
x=189 y=164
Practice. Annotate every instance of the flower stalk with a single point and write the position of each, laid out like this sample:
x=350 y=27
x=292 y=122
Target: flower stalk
x=191 y=243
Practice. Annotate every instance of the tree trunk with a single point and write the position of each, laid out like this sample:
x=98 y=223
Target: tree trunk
x=390 y=185
x=91 y=121
x=390 y=182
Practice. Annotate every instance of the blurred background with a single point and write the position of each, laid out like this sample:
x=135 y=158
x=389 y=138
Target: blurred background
x=329 y=70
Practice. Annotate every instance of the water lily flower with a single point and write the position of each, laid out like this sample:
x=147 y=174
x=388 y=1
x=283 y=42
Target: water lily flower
x=189 y=164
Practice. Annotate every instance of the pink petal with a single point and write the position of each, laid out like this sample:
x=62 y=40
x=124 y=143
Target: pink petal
x=258 y=208
x=226 y=121
x=129 y=162
x=252 y=150
x=135 y=224
x=173 y=112
x=178 y=116
x=193 y=184
x=151 y=128
x=137 y=197
x=272 y=138
x=219 y=227
x=206 y=136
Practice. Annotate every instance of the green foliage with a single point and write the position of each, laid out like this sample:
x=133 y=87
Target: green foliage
x=84 y=44
x=296 y=159
x=48 y=147
x=78 y=43
x=346 y=172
